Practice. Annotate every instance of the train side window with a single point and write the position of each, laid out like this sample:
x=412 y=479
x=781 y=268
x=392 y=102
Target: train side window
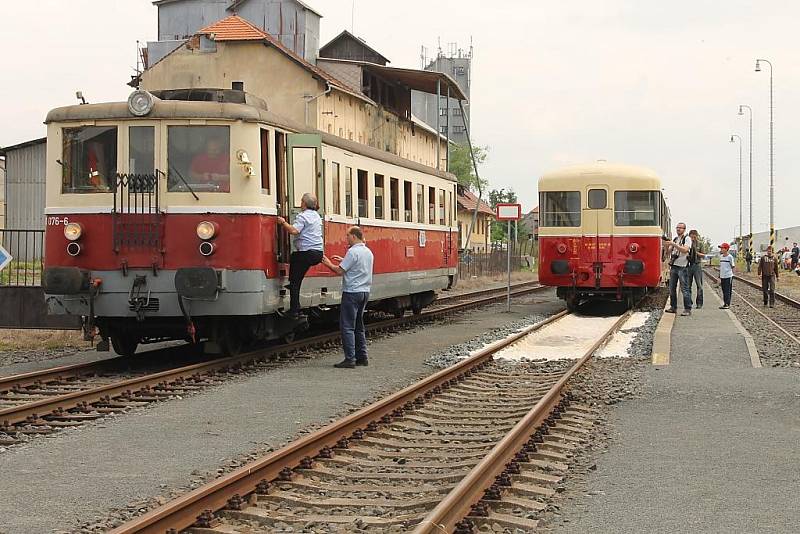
x=348 y=191
x=432 y=205
x=199 y=158
x=421 y=203
x=598 y=199
x=363 y=193
x=637 y=208
x=560 y=208
x=450 y=208
x=141 y=150
x=408 y=201
x=265 y=161
x=336 y=188
x=441 y=207
x=89 y=159
x=379 y=196
x=394 y=198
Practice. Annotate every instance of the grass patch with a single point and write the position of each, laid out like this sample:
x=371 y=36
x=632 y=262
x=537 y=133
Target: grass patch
x=12 y=340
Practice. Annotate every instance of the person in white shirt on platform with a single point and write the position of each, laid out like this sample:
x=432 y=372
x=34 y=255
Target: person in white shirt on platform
x=356 y=269
x=679 y=270
x=726 y=265
x=307 y=229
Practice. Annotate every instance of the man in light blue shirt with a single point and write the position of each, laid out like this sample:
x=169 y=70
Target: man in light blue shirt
x=307 y=229
x=356 y=270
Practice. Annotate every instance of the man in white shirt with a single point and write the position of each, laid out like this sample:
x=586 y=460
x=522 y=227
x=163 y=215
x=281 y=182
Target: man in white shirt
x=307 y=229
x=356 y=270
x=679 y=270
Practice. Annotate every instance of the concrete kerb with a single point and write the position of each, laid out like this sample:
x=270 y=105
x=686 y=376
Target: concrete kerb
x=755 y=360
x=662 y=340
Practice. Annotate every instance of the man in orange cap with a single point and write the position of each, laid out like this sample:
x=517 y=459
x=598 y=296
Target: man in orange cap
x=726 y=264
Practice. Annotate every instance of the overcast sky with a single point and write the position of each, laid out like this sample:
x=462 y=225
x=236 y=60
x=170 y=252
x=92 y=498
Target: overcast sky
x=643 y=82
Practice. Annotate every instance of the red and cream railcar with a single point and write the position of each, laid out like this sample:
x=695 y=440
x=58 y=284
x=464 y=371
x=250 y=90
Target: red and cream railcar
x=601 y=232
x=161 y=218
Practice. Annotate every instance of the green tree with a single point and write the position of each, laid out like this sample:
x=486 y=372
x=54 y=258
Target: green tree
x=461 y=165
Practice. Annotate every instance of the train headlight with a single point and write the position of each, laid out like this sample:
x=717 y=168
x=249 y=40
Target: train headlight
x=140 y=103
x=73 y=231
x=561 y=248
x=73 y=249
x=634 y=248
x=207 y=248
x=207 y=230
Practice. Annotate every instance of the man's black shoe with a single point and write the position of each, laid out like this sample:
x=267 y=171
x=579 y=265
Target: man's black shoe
x=344 y=364
x=671 y=310
x=362 y=362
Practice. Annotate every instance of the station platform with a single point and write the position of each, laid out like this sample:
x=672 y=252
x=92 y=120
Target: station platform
x=711 y=445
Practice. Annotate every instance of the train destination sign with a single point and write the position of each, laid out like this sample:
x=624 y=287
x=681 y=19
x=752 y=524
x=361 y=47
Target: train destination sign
x=5 y=258
x=508 y=212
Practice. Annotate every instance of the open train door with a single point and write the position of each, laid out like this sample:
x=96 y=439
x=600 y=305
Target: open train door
x=304 y=163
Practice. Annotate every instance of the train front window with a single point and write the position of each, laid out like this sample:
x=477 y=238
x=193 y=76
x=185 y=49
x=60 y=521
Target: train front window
x=199 y=159
x=637 y=208
x=560 y=208
x=141 y=150
x=89 y=159
x=598 y=199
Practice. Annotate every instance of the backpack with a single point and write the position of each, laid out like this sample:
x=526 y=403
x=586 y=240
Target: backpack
x=692 y=254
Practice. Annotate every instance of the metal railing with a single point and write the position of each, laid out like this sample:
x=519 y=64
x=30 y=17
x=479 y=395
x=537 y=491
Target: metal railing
x=27 y=250
x=495 y=261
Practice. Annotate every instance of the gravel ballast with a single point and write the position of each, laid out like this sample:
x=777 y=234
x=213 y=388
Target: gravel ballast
x=100 y=474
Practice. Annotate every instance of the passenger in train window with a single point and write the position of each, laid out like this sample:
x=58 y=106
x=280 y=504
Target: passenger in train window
x=356 y=271
x=307 y=229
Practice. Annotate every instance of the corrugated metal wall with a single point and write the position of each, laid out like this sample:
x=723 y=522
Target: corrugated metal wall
x=2 y=193
x=25 y=179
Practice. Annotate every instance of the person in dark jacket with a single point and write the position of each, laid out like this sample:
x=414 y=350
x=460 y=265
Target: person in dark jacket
x=768 y=271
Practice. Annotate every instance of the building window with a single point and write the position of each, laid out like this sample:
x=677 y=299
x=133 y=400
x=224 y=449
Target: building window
x=90 y=159
x=457 y=112
x=459 y=129
x=335 y=183
x=459 y=70
x=443 y=112
x=443 y=129
x=379 y=196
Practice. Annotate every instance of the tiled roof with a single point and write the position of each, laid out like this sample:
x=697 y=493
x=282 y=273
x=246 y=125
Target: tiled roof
x=235 y=28
x=468 y=200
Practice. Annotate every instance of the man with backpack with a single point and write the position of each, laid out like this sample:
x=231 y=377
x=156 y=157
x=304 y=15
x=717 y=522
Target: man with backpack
x=679 y=270
x=696 y=267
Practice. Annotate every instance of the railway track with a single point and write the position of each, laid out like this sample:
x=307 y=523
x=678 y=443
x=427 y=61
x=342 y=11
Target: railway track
x=784 y=317
x=41 y=402
x=473 y=445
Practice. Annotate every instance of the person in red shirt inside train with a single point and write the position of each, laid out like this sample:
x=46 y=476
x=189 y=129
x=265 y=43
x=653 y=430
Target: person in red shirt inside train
x=212 y=167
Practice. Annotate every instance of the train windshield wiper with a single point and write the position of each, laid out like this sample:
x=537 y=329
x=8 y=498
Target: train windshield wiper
x=189 y=187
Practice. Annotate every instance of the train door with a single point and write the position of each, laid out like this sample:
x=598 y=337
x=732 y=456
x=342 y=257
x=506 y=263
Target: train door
x=282 y=196
x=304 y=158
x=598 y=229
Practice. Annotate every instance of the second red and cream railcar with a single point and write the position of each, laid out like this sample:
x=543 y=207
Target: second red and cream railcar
x=601 y=232
x=161 y=218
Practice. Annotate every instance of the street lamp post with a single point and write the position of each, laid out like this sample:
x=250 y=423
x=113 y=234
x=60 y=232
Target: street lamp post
x=735 y=136
x=742 y=107
x=771 y=159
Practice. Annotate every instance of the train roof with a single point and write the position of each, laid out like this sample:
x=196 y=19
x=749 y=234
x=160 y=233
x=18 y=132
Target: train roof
x=190 y=109
x=577 y=176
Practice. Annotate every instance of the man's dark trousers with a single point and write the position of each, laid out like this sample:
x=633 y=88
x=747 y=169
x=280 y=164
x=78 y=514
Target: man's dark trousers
x=299 y=264
x=351 y=324
x=679 y=274
x=696 y=277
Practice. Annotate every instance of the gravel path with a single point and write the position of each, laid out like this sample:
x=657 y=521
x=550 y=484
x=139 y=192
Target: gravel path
x=101 y=473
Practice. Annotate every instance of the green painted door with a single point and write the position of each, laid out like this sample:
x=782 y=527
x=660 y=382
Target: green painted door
x=304 y=162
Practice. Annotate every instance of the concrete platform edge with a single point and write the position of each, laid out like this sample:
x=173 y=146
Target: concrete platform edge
x=755 y=360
